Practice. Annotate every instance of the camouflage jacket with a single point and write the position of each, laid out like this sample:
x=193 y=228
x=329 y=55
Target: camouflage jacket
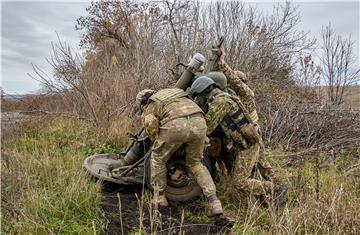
x=220 y=105
x=236 y=82
x=227 y=114
x=169 y=104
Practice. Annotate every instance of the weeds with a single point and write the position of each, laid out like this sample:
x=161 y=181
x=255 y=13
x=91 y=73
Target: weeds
x=335 y=210
x=46 y=191
x=44 y=187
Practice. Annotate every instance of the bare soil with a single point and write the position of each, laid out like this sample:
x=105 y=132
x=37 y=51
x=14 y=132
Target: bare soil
x=173 y=220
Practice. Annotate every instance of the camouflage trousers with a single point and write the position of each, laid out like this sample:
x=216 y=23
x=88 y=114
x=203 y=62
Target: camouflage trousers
x=242 y=179
x=189 y=132
x=263 y=166
x=265 y=169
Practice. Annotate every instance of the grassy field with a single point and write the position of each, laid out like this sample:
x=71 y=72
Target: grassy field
x=351 y=97
x=45 y=189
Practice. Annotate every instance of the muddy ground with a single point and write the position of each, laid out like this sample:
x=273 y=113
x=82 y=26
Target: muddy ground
x=173 y=220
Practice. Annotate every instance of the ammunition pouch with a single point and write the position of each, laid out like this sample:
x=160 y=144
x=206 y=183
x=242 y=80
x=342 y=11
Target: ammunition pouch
x=242 y=132
x=250 y=134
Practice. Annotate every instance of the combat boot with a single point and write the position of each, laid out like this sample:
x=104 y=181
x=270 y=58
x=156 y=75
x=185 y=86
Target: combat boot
x=160 y=200
x=215 y=208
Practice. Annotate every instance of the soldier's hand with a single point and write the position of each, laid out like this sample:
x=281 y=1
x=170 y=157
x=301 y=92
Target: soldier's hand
x=222 y=55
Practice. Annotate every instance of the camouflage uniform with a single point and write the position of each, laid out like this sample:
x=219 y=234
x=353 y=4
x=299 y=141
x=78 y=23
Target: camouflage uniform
x=221 y=105
x=180 y=122
x=236 y=82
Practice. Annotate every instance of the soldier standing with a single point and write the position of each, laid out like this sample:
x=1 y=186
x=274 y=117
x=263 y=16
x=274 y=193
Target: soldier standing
x=237 y=82
x=227 y=113
x=173 y=120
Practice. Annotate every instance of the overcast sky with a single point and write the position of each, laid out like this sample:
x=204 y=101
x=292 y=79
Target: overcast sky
x=28 y=28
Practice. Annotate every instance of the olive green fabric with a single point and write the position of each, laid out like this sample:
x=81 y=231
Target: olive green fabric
x=221 y=105
x=168 y=94
x=200 y=84
x=169 y=104
x=190 y=132
x=243 y=91
x=237 y=82
x=242 y=181
x=181 y=124
x=151 y=125
x=219 y=78
x=246 y=154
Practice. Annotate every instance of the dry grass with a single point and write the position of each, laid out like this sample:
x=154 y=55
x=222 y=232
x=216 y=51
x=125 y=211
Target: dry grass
x=44 y=187
x=118 y=131
x=46 y=191
x=334 y=209
x=351 y=97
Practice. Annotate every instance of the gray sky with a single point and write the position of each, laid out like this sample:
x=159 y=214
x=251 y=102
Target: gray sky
x=28 y=28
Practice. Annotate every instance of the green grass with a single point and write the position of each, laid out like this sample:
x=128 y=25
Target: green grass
x=334 y=210
x=45 y=189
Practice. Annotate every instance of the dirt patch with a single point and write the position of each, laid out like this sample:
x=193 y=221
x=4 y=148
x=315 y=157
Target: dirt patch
x=172 y=220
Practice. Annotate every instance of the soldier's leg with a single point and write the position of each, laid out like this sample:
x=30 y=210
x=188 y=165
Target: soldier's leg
x=265 y=169
x=168 y=141
x=242 y=181
x=194 y=148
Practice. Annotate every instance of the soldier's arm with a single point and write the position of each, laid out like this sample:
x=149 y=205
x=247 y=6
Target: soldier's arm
x=152 y=108
x=218 y=109
x=225 y=68
x=235 y=81
x=151 y=119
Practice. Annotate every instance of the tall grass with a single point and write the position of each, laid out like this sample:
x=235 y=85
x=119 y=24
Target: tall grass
x=45 y=189
x=334 y=208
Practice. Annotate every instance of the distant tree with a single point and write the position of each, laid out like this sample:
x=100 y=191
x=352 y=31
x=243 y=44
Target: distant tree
x=132 y=45
x=309 y=72
x=339 y=69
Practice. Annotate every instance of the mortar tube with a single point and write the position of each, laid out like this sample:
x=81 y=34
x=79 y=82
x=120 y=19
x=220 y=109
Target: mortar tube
x=137 y=150
x=185 y=80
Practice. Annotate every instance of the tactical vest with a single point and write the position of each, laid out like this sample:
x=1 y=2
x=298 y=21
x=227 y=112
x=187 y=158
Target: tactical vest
x=239 y=126
x=174 y=104
x=251 y=107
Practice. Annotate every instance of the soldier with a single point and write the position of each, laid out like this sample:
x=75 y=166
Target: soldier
x=237 y=82
x=227 y=113
x=173 y=120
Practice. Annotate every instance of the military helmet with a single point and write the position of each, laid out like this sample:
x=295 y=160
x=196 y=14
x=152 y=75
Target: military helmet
x=142 y=97
x=219 y=78
x=200 y=84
